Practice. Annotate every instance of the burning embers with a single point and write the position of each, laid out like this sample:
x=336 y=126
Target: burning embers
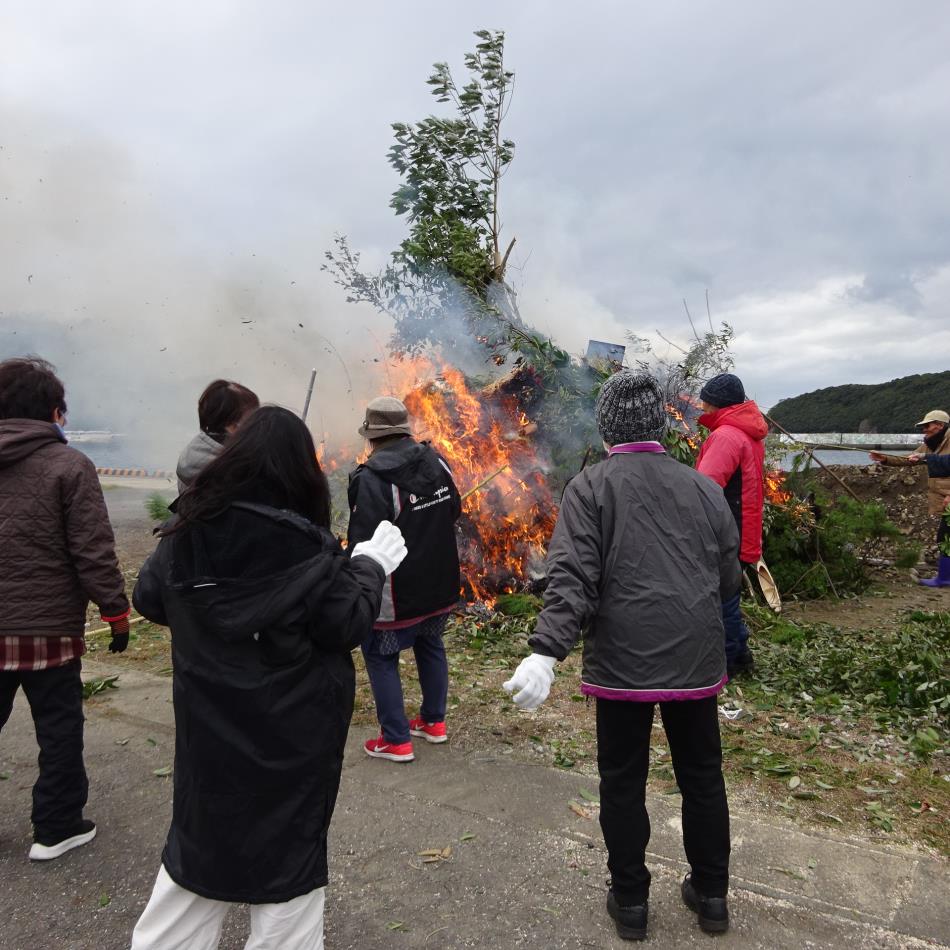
x=508 y=513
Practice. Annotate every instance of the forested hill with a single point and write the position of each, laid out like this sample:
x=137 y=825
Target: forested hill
x=884 y=407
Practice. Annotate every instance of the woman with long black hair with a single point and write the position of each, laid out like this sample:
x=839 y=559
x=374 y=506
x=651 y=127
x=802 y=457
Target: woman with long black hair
x=264 y=608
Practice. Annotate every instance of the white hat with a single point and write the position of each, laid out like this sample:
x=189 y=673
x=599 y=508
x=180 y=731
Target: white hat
x=935 y=415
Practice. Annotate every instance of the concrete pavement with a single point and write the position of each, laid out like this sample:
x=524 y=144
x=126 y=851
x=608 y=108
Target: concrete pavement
x=524 y=870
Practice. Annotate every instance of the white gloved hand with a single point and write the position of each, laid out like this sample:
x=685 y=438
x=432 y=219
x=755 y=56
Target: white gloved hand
x=533 y=680
x=387 y=547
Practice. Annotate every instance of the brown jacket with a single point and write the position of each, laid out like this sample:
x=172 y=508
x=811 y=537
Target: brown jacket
x=937 y=488
x=57 y=550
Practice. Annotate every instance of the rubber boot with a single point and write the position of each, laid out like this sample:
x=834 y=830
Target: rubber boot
x=943 y=574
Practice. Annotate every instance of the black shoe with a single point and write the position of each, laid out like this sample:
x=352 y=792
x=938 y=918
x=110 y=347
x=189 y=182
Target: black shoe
x=46 y=847
x=631 y=921
x=740 y=665
x=713 y=912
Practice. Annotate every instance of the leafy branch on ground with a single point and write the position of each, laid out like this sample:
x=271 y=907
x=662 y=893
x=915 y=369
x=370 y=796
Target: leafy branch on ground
x=157 y=507
x=817 y=545
x=893 y=678
x=99 y=684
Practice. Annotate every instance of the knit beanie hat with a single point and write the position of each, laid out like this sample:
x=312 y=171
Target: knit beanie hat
x=630 y=408
x=723 y=390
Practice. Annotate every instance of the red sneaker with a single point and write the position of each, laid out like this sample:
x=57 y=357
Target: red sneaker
x=430 y=731
x=379 y=748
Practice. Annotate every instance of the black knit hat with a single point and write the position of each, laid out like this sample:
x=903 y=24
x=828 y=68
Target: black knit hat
x=630 y=408
x=723 y=390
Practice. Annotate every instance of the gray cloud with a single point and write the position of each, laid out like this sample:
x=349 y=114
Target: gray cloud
x=196 y=161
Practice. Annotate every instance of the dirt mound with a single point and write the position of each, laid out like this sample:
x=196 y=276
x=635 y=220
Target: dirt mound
x=902 y=491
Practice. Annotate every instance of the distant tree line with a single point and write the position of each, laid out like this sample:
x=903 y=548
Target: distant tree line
x=885 y=407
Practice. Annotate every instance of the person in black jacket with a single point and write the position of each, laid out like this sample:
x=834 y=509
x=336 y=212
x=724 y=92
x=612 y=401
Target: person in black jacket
x=408 y=483
x=264 y=608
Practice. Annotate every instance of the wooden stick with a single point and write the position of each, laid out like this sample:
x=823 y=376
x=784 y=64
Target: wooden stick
x=306 y=405
x=482 y=484
x=812 y=456
x=585 y=461
x=92 y=633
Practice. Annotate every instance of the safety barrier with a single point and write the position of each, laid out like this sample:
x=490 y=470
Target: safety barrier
x=135 y=473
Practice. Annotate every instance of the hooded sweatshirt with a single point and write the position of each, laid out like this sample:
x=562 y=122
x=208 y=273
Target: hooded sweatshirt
x=408 y=483
x=734 y=458
x=57 y=550
x=194 y=457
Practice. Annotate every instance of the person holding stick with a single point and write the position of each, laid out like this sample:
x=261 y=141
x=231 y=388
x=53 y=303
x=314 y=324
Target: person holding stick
x=408 y=483
x=935 y=427
x=643 y=553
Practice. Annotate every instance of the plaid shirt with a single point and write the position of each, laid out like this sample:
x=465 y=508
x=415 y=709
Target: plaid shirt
x=30 y=653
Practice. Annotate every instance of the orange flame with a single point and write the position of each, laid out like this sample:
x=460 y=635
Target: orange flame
x=685 y=428
x=508 y=522
x=775 y=491
x=505 y=525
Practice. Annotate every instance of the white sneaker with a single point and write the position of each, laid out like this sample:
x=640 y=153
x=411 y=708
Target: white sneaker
x=47 y=850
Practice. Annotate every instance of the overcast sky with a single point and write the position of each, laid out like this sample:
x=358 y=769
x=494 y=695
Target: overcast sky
x=169 y=171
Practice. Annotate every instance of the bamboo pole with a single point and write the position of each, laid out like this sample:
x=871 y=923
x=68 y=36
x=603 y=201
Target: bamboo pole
x=482 y=484
x=306 y=405
x=847 y=447
x=92 y=633
x=812 y=456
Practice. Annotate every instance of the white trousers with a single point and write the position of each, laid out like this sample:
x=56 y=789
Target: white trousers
x=177 y=919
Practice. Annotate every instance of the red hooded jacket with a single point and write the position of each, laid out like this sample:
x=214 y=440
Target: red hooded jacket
x=734 y=457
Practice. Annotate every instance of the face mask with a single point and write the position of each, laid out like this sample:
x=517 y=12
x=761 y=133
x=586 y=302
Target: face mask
x=933 y=441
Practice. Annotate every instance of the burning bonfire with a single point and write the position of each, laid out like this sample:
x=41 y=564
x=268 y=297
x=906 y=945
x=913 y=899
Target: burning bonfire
x=507 y=510
x=487 y=438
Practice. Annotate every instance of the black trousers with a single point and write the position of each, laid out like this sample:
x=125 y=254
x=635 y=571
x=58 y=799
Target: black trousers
x=623 y=758
x=55 y=698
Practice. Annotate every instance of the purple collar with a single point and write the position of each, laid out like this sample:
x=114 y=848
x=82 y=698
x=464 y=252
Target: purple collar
x=625 y=447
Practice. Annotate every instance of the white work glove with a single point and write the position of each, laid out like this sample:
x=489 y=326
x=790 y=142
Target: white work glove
x=387 y=547
x=533 y=680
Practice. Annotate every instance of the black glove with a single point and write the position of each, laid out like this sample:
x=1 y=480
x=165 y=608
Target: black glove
x=120 y=635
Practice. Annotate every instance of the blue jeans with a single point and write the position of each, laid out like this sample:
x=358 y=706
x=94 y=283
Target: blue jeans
x=425 y=638
x=737 y=633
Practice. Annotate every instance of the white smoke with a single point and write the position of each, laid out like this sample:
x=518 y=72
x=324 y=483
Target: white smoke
x=97 y=278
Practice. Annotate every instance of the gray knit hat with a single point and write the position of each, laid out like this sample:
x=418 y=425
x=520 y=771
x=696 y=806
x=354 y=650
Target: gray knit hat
x=385 y=415
x=631 y=408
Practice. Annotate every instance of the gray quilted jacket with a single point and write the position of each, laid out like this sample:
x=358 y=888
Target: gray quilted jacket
x=643 y=552
x=57 y=550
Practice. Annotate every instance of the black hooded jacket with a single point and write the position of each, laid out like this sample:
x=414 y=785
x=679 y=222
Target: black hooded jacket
x=408 y=483
x=264 y=608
